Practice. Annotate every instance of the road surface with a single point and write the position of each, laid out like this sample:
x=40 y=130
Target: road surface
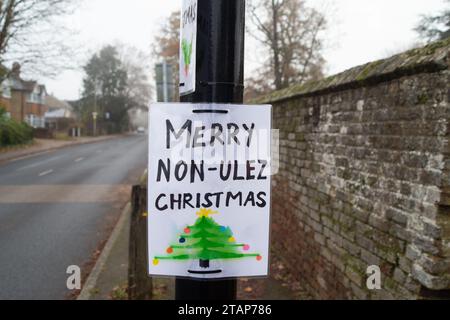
x=57 y=208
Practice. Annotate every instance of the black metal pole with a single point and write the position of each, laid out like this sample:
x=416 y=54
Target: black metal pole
x=220 y=79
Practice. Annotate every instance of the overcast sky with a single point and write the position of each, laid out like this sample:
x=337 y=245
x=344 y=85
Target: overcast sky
x=360 y=31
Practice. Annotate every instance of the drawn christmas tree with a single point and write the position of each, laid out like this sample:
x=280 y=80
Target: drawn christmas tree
x=186 y=48
x=206 y=241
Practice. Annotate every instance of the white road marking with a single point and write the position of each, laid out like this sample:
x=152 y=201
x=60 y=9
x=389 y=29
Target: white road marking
x=37 y=164
x=45 y=173
x=79 y=159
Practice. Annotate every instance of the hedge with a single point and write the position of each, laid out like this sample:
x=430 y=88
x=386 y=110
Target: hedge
x=13 y=132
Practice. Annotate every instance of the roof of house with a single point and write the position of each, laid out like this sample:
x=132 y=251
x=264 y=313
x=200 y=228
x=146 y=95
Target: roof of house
x=17 y=83
x=54 y=103
x=57 y=114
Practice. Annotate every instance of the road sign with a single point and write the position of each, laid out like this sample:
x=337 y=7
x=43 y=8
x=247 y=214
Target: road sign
x=188 y=47
x=94 y=115
x=164 y=82
x=209 y=190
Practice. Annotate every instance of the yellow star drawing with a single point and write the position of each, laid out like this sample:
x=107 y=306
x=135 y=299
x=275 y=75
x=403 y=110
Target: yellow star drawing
x=206 y=212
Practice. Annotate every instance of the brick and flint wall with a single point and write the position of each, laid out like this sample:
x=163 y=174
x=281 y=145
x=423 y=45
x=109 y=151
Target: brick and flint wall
x=365 y=178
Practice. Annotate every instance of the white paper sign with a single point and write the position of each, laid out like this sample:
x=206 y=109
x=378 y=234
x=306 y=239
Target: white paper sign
x=188 y=47
x=209 y=190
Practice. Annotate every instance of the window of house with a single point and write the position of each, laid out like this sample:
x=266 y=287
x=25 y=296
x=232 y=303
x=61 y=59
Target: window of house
x=6 y=89
x=35 y=121
x=31 y=97
x=35 y=97
x=29 y=119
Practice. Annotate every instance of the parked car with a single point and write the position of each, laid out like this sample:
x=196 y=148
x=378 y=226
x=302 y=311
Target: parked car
x=141 y=130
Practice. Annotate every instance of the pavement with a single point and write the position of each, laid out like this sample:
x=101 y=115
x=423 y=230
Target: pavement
x=57 y=209
x=109 y=277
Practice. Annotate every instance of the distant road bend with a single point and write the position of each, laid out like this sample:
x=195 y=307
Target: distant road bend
x=56 y=209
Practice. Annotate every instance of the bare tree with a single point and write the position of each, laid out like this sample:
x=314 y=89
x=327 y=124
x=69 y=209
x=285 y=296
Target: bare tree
x=435 y=27
x=258 y=85
x=167 y=46
x=290 y=32
x=31 y=32
x=168 y=39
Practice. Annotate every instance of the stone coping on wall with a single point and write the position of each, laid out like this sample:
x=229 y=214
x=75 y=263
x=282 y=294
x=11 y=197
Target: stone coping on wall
x=434 y=57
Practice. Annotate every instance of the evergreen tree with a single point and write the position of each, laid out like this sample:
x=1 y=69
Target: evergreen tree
x=104 y=90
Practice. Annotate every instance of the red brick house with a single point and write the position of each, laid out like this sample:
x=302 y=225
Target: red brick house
x=23 y=100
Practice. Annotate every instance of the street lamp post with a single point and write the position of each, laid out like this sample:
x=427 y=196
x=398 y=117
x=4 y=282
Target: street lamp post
x=95 y=114
x=219 y=79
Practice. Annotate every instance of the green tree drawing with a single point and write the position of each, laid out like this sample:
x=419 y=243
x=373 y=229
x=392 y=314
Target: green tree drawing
x=186 y=48
x=206 y=240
